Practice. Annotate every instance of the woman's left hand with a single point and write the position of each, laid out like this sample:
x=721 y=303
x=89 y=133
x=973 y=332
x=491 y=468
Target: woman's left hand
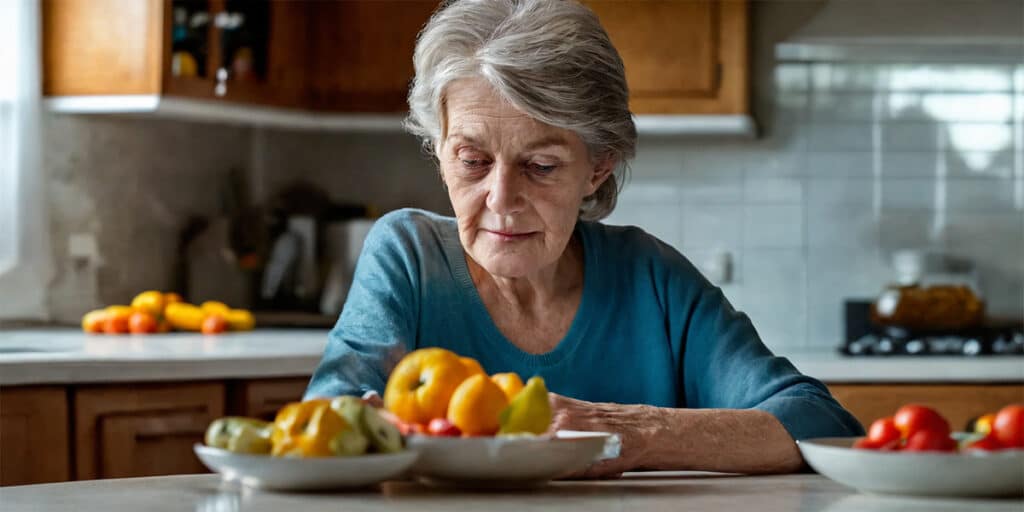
x=634 y=424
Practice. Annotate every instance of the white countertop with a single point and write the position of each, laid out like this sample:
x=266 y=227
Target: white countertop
x=66 y=356
x=69 y=356
x=662 y=490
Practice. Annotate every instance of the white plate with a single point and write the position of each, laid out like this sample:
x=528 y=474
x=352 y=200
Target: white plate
x=314 y=473
x=999 y=473
x=518 y=460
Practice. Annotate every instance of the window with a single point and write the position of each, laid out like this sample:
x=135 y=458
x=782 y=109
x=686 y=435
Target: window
x=25 y=260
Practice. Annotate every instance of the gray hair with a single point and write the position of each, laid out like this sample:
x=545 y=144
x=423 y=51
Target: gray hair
x=551 y=59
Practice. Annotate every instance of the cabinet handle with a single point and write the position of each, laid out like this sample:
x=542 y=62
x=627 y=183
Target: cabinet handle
x=222 y=83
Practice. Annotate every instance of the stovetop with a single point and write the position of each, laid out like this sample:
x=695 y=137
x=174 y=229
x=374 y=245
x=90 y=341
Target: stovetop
x=898 y=342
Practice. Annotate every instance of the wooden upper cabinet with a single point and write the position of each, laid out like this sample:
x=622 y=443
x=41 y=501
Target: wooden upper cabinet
x=250 y=51
x=34 y=436
x=142 y=430
x=362 y=51
x=681 y=57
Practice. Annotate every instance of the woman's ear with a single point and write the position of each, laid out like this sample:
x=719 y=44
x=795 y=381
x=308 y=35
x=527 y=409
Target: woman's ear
x=602 y=170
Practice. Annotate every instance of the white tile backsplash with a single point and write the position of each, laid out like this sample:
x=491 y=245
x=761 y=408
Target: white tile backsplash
x=712 y=226
x=773 y=226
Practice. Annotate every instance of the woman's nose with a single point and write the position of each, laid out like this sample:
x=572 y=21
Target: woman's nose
x=505 y=190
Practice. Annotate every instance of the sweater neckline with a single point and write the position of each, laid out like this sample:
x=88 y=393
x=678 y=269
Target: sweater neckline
x=580 y=322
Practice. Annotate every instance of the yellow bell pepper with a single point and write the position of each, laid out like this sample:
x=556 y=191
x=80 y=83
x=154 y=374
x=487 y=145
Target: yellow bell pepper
x=313 y=429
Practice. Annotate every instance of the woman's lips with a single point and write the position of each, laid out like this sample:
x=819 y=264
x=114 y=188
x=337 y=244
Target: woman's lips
x=508 y=236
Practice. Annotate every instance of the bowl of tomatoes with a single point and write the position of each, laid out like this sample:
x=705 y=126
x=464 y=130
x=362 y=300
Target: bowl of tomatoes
x=914 y=452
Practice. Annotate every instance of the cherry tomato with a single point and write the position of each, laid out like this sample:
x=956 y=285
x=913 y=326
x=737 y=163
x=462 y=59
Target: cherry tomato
x=911 y=419
x=141 y=322
x=883 y=430
x=1009 y=426
x=865 y=443
x=214 y=324
x=930 y=441
x=986 y=444
x=443 y=427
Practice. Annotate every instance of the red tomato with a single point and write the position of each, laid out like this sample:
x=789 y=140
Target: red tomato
x=883 y=430
x=443 y=427
x=1009 y=426
x=865 y=443
x=214 y=324
x=911 y=419
x=986 y=444
x=930 y=441
x=141 y=323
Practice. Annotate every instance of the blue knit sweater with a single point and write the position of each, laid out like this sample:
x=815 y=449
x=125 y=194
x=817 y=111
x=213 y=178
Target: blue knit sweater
x=649 y=330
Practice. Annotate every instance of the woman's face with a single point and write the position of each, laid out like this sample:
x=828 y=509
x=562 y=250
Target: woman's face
x=516 y=184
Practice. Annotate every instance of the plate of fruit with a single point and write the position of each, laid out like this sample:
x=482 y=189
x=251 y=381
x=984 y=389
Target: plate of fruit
x=913 y=452
x=477 y=429
x=311 y=445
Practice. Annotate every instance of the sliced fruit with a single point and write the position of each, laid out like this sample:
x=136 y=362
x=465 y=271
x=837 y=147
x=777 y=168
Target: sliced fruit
x=350 y=408
x=349 y=442
x=384 y=437
x=239 y=434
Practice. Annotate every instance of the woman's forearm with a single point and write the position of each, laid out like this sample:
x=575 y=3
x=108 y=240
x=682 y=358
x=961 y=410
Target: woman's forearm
x=726 y=440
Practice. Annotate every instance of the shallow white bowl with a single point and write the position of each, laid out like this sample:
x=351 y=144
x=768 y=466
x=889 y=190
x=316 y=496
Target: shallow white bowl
x=315 y=473
x=994 y=474
x=510 y=460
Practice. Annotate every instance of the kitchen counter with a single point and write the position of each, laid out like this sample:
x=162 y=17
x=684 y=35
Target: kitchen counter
x=69 y=356
x=635 y=491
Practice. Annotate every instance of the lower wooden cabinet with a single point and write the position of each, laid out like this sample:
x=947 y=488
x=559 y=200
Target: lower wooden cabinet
x=263 y=398
x=143 y=430
x=959 y=403
x=58 y=433
x=34 y=435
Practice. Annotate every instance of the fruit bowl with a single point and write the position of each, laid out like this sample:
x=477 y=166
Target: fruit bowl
x=302 y=474
x=509 y=460
x=972 y=474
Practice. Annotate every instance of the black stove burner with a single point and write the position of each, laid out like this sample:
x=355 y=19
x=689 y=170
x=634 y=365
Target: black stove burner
x=899 y=342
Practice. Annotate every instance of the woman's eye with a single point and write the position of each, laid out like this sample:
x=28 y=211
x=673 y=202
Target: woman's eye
x=473 y=163
x=541 y=168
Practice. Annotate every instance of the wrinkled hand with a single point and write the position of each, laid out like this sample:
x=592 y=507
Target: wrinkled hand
x=630 y=422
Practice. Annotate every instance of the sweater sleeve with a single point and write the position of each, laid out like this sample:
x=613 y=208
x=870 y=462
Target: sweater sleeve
x=727 y=366
x=377 y=325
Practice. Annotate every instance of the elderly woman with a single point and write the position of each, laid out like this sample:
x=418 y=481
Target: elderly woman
x=525 y=106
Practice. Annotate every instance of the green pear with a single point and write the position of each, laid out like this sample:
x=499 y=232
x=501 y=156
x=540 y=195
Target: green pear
x=350 y=408
x=528 y=412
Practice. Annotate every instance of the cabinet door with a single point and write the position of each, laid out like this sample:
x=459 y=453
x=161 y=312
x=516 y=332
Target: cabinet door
x=362 y=53
x=33 y=435
x=959 y=403
x=101 y=46
x=263 y=398
x=246 y=51
x=144 y=430
x=681 y=57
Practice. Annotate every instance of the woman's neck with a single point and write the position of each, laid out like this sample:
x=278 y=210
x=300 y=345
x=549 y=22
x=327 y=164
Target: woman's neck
x=534 y=292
